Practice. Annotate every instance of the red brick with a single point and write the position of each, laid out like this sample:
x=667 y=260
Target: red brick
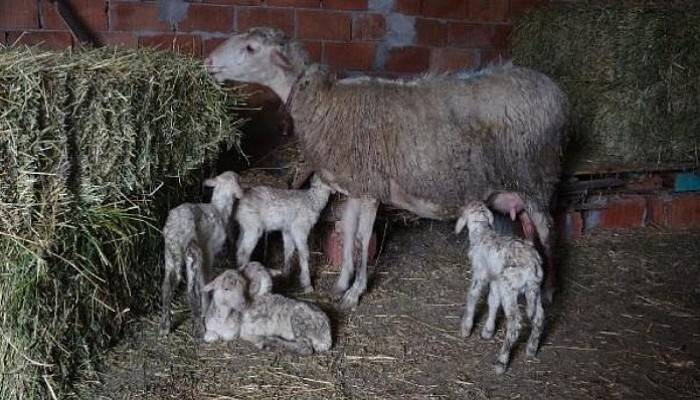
x=494 y=56
x=294 y=3
x=55 y=40
x=408 y=7
x=314 y=49
x=18 y=14
x=333 y=246
x=324 y=25
x=368 y=27
x=445 y=59
x=275 y=18
x=431 y=32
x=408 y=60
x=208 y=45
x=184 y=44
x=477 y=35
x=489 y=10
x=132 y=16
x=453 y=9
x=354 y=56
x=92 y=13
x=345 y=4
x=624 y=212
x=120 y=39
x=676 y=211
x=519 y=7
x=207 y=18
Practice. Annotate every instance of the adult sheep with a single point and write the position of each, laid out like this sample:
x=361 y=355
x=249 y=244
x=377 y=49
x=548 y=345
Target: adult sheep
x=426 y=145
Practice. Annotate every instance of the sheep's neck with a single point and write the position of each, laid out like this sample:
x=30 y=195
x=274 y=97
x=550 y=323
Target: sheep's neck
x=282 y=85
x=319 y=197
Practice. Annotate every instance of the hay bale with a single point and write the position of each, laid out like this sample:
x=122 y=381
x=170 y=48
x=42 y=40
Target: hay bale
x=95 y=146
x=632 y=74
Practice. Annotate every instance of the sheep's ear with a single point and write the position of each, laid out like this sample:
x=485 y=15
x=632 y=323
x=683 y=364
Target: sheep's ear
x=461 y=222
x=211 y=286
x=209 y=182
x=281 y=60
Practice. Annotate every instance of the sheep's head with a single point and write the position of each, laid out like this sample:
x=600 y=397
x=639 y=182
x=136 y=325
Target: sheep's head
x=475 y=213
x=260 y=55
x=226 y=182
x=229 y=290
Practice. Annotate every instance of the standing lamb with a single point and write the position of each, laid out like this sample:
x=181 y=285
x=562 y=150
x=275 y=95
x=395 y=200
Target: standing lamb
x=266 y=320
x=194 y=234
x=293 y=212
x=510 y=267
x=424 y=145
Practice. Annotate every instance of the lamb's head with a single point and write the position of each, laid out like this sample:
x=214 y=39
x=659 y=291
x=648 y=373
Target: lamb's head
x=225 y=183
x=229 y=290
x=474 y=214
x=260 y=55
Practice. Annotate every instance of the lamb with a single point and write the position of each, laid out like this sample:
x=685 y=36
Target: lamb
x=425 y=145
x=267 y=320
x=259 y=278
x=510 y=266
x=194 y=234
x=294 y=212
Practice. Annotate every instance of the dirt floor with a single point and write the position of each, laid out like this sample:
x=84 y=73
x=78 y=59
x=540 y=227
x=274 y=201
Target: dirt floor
x=625 y=324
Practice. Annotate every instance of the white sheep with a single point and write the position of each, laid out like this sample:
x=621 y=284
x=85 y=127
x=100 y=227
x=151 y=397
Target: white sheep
x=194 y=234
x=510 y=266
x=293 y=212
x=266 y=320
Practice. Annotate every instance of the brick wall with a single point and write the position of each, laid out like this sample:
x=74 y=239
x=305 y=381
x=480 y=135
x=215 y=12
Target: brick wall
x=385 y=36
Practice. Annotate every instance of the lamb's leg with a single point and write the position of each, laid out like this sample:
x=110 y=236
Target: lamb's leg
x=368 y=211
x=351 y=218
x=494 y=304
x=247 y=240
x=288 y=252
x=543 y=223
x=536 y=315
x=195 y=283
x=475 y=290
x=303 y=249
x=510 y=308
x=301 y=346
x=170 y=281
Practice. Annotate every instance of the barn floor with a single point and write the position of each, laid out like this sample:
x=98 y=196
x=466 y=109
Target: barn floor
x=625 y=324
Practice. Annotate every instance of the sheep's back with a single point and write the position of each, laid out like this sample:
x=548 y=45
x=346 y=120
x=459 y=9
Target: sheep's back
x=445 y=140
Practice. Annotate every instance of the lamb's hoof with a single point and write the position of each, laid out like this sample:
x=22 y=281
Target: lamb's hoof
x=338 y=292
x=210 y=337
x=499 y=367
x=307 y=289
x=487 y=334
x=349 y=300
x=466 y=331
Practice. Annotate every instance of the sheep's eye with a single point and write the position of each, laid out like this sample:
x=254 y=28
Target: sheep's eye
x=250 y=49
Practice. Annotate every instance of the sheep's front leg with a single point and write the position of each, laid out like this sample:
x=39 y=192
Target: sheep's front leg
x=472 y=298
x=247 y=239
x=170 y=282
x=368 y=212
x=351 y=217
x=288 y=243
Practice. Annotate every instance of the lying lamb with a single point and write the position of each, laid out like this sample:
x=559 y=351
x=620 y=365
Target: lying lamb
x=294 y=212
x=510 y=267
x=266 y=320
x=194 y=234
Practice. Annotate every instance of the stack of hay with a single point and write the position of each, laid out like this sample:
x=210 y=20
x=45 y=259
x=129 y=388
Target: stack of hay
x=94 y=147
x=632 y=75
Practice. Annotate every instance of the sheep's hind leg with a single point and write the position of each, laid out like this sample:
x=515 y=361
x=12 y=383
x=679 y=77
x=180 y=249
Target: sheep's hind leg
x=288 y=243
x=543 y=224
x=494 y=304
x=170 y=281
x=368 y=212
x=195 y=283
x=510 y=308
x=350 y=220
x=536 y=315
x=303 y=250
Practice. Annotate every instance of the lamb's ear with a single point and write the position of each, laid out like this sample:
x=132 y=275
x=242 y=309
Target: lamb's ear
x=209 y=182
x=461 y=222
x=281 y=60
x=213 y=285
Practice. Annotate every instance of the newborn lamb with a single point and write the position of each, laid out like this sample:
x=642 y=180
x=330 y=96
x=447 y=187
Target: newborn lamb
x=266 y=320
x=510 y=266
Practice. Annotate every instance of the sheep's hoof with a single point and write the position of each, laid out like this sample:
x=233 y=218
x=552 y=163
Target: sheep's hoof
x=210 y=337
x=338 y=292
x=499 y=367
x=466 y=331
x=307 y=289
x=349 y=301
x=487 y=334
